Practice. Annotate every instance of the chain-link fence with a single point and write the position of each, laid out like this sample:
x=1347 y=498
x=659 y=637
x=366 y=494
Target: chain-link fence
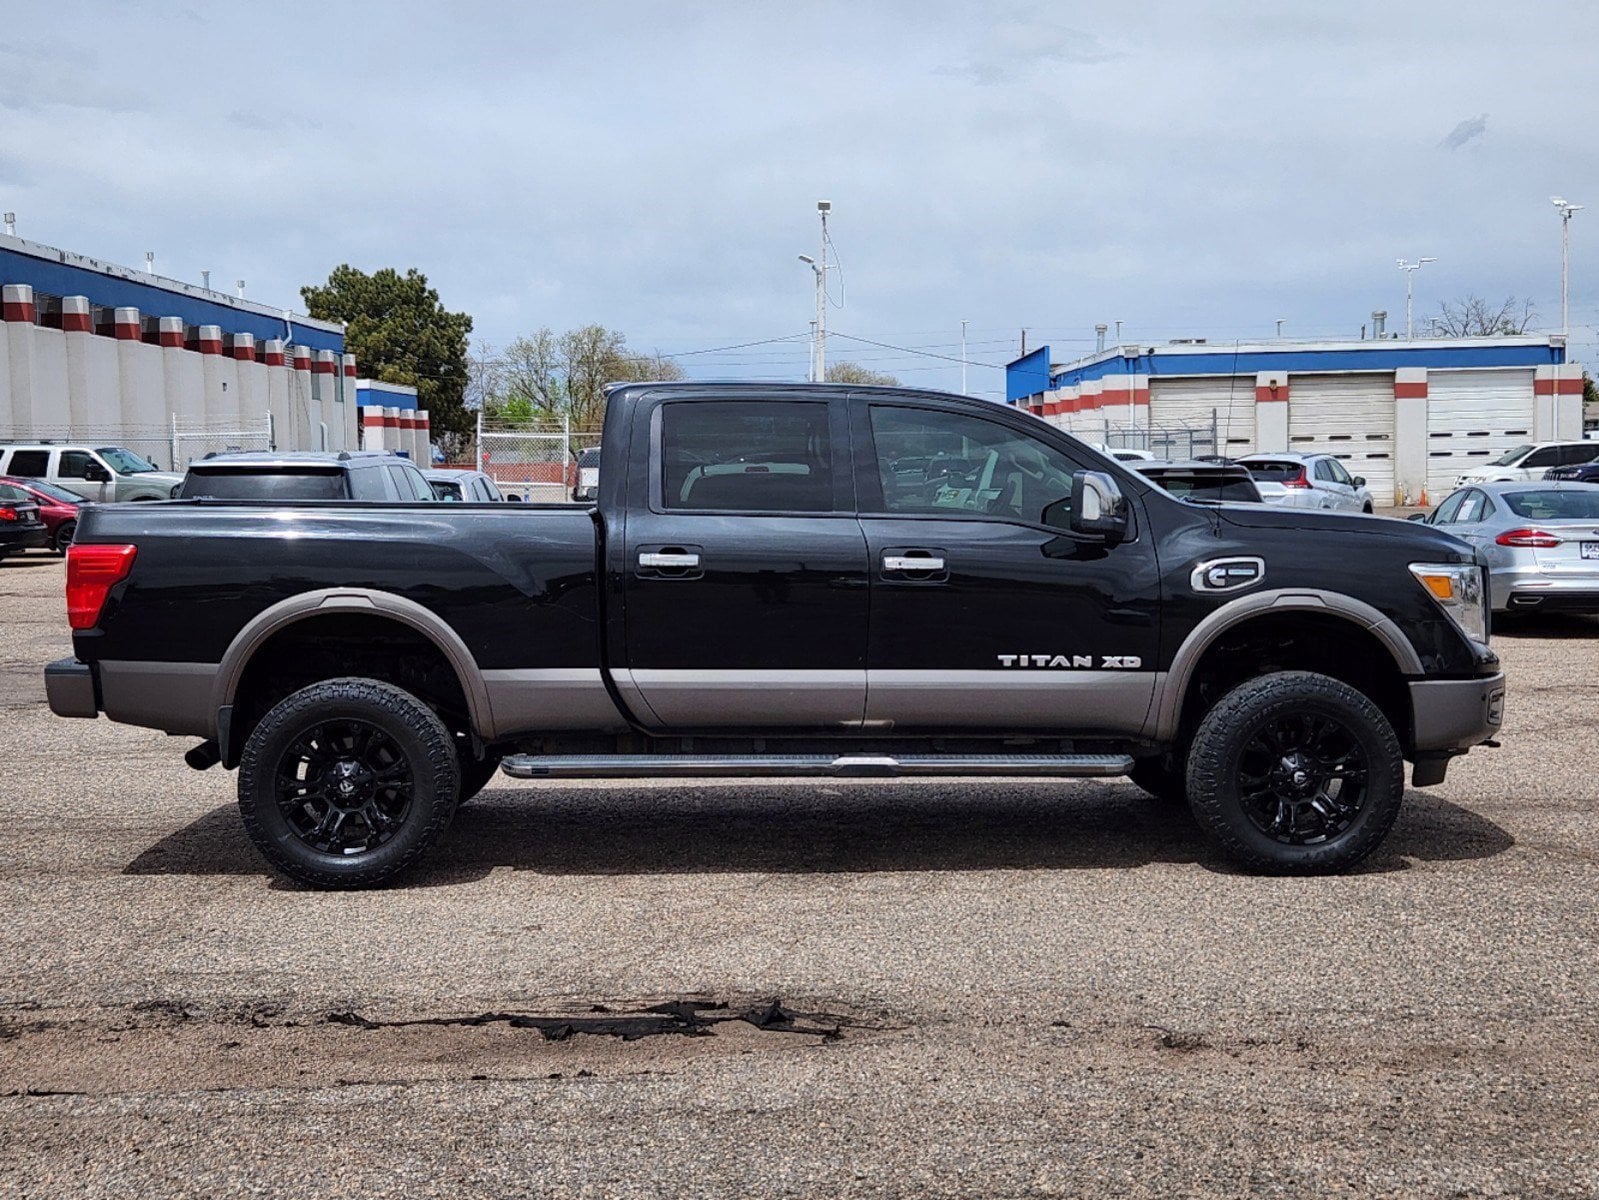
x=1173 y=442
x=196 y=440
x=532 y=460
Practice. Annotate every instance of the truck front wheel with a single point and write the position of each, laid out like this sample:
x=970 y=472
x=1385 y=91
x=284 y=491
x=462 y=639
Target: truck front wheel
x=1295 y=772
x=346 y=783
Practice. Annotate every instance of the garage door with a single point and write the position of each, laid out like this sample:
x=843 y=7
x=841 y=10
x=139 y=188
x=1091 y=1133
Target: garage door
x=1473 y=417
x=1350 y=416
x=1186 y=414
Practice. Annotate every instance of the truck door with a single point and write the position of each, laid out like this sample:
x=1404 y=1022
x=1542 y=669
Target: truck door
x=743 y=577
x=987 y=611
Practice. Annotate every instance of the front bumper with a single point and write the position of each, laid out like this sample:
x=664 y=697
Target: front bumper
x=1452 y=715
x=69 y=687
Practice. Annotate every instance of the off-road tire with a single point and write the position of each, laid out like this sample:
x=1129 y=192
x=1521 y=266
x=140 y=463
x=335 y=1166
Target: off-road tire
x=1250 y=712
x=429 y=761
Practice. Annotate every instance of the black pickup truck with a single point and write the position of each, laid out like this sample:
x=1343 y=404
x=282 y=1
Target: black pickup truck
x=790 y=580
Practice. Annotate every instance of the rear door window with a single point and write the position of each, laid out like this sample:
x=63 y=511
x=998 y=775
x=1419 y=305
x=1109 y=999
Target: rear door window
x=742 y=457
x=1447 y=510
x=30 y=464
x=369 y=483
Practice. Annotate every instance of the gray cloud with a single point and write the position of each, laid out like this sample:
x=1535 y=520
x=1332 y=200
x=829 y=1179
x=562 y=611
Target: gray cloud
x=1466 y=132
x=1021 y=42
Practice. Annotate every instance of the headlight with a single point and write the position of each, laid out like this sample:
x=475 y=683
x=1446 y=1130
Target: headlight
x=1458 y=589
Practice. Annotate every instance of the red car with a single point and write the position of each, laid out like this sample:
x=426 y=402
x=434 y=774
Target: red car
x=57 y=506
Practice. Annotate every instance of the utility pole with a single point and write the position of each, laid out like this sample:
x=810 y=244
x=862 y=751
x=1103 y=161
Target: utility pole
x=1410 y=269
x=823 y=207
x=963 y=358
x=1566 y=209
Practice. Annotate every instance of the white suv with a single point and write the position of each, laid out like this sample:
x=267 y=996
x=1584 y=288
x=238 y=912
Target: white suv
x=1530 y=461
x=1307 y=481
x=102 y=473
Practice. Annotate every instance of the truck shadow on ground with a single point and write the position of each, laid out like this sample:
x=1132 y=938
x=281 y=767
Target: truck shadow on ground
x=818 y=830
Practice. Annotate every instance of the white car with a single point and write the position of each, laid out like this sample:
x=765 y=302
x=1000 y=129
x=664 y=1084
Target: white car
x=1123 y=453
x=1307 y=481
x=1529 y=461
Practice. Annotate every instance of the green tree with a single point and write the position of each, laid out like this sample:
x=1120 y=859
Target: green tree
x=848 y=372
x=400 y=332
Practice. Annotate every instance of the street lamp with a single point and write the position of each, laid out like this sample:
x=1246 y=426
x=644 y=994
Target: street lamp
x=821 y=299
x=1410 y=269
x=1566 y=209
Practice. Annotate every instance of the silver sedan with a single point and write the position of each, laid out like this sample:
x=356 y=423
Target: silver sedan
x=1540 y=541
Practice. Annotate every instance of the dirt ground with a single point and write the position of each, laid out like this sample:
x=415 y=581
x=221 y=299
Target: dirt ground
x=743 y=989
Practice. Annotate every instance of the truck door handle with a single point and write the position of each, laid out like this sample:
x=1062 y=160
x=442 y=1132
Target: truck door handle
x=912 y=562
x=662 y=560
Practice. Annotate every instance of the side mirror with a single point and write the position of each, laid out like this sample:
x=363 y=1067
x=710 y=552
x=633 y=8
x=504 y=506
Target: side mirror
x=1416 y=517
x=95 y=473
x=1098 y=506
x=1360 y=481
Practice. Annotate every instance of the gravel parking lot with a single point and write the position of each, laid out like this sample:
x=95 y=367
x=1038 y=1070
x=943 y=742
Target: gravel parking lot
x=767 y=989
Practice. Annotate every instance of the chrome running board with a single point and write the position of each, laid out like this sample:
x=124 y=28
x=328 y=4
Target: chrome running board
x=861 y=766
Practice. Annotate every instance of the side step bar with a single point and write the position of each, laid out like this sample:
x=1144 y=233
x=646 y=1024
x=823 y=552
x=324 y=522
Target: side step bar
x=860 y=766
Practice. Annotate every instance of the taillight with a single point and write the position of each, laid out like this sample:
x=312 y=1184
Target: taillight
x=1298 y=480
x=92 y=571
x=8 y=514
x=1528 y=537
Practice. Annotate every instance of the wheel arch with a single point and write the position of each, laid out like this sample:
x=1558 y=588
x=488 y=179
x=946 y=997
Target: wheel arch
x=365 y=602
x=1256 y=610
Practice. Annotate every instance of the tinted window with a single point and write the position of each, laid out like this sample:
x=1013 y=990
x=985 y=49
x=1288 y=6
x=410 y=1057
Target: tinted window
x=1338 y=473
x=1583 y=453
x=945 y=462
x=445 y=491
x=263 y=485
x=746 y=457
x=1198 y=485
x=29 y=463
x=1275 y=472
x=1547 y=457
x=74 y=464
x=10 y=491
x=1578 y=504
x=1324 y=470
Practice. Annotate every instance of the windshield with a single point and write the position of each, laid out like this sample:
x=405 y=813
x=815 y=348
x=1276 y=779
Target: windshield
x=123 y=462
x=1578 y=504
x=1512 y=455
x=263 y=485
x=54 y=492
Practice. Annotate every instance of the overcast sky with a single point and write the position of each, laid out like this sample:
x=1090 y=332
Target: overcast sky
x=1189 y=169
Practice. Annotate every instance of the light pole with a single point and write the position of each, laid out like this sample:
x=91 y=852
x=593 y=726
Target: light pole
x=816 y=321
x=963 y=358
x=1566 y=209
x=1410 y=269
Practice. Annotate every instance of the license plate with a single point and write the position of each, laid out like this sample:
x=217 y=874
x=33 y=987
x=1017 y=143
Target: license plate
x=1590 y=549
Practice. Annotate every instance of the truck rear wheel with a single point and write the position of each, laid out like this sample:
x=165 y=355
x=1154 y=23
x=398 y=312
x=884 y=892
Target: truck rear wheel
x=347 y=783
x=1296 y=772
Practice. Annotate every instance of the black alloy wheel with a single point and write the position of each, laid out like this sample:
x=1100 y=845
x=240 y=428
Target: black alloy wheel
x=63 y=537
x=1302 y=778
x=346 y=783
x=1296 y=772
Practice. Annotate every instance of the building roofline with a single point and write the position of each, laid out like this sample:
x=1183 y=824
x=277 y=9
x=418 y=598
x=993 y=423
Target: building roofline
x=66 y=258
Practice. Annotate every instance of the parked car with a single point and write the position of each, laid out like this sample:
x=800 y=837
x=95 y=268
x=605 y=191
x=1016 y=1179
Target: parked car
x=1122 y=453
x=58 y=508
x=586 y=476
x=791 y=580
x=1587 y=472
x=305 y=475
x=1540 y=542
x=1307 y=481
x=20 y=525
x=1530 y=460
x=1215 y=482
x=99 y=473
x=462 y=486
